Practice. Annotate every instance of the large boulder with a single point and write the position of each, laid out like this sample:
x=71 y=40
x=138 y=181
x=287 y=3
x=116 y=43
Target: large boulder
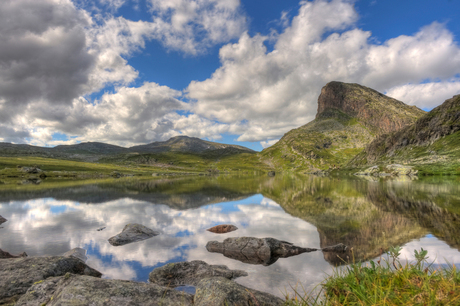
x=85 y=290
x=19 y=274
x=77 y=253
x=221 y=291
x=264 y=251
x=190 y=273
x=131 y=233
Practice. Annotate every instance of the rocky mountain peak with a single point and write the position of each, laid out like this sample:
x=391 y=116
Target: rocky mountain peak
x=380 y=112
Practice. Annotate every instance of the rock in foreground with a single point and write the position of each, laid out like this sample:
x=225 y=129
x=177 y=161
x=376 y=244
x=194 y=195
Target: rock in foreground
x=2 y=220
x=19 y=274
x=85 y=290
x=221 y=291
x=190 y=273
x=132 y=233
x=265 y=251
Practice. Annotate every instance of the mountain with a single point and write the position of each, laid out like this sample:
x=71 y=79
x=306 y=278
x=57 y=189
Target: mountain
x=433 y=141
x=349 y=117
x=94 y=151
x=187 y=144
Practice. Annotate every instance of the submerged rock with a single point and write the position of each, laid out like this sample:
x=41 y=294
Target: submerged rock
x=338 y=248
x=77 y=253
x=221 y=291
x=85 y=290
x=190 y=273
x=2 y=220
x=265 y=251
x=5 y=254
x=222 y=229
x=131 y=233
x=19 y=274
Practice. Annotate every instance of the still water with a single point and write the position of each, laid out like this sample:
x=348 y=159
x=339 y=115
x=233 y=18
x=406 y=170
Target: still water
x=369 y=216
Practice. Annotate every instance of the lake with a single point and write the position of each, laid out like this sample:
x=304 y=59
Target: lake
x=367 y=214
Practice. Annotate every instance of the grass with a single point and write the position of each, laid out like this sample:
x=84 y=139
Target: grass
x=387 y=282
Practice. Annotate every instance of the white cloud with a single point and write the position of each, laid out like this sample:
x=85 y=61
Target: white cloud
x=427 y=95
x=273 y=92
x=194 y=25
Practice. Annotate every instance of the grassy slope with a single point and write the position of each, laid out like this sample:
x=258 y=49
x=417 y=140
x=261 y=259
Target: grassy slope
x=419 y=145
x=322 y=143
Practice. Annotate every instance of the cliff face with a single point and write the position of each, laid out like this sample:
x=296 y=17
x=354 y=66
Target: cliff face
x=433 y=138
x=349 y=117
x=374 y=109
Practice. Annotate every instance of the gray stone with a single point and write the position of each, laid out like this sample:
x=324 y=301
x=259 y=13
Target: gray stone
x=77 y=253
x=190 y=273
x=271 y=173
x=397 y=169
x=2 y=220
x=131 y=233
x=221 y=291
x=86 y=290
x=264 y=251
x=19 y=274
x=339 y=248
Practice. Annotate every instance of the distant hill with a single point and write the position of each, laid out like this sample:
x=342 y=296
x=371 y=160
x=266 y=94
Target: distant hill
x=94 y=151
x=187 y=144
x=433 y=141
x=349 y=117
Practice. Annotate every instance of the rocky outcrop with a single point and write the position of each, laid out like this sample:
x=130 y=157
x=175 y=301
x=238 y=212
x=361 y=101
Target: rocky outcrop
x=131 y=233
x=349 y=117
x=389 y=170
x=265 y=251
x=4 y=255
x=221 y=291
x=2 y=220
x=85 y=290
x=375 y=109
x=442 y=121
x=222 y=228
x=190 y=273
x=18 y=275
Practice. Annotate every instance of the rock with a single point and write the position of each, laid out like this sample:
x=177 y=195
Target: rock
x=19 y=274
x=369 y=171
x=131 y=233
x=338 y=248
x=265 y=251
x=2 y=220
x=271 y=173
x=101 y=228
x=116 y=174
x=77 y=253
x=4 y=254
x=221 y=291
x=222 y=229
x=85 y=290
x=32 y=170
x=397 y=169
x=190 y=273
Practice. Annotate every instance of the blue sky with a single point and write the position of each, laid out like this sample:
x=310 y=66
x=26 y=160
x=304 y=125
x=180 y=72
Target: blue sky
x=129 y=72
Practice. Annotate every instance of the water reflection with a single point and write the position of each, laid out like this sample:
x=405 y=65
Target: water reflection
x=52 y=218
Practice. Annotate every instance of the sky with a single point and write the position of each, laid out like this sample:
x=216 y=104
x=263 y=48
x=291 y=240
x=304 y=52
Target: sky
x=130 y=72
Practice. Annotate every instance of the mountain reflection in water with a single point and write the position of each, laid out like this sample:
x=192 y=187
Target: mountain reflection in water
x=310 y=212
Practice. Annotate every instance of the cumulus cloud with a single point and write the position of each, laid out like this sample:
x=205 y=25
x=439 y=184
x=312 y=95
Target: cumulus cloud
x=43 y=54
x=426 y=95
x=273 y=92
x=194 y=25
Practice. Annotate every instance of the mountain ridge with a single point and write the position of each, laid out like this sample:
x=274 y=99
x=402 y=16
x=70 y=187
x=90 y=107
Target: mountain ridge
x=349 y=117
